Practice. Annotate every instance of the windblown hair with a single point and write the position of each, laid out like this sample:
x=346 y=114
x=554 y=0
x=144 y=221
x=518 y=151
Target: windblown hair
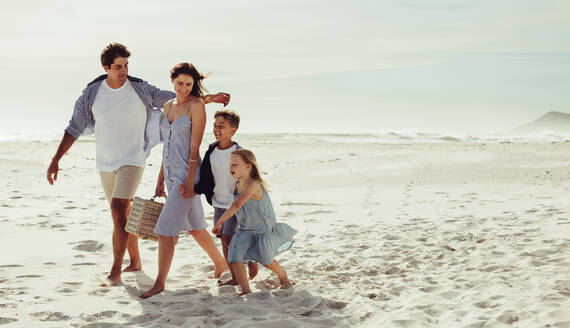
x=112 y=51
x=189 y=69
x=230 y=116
x=249 y=158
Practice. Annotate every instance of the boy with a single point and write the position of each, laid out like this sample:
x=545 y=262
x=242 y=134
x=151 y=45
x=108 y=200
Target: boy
x=217 y=184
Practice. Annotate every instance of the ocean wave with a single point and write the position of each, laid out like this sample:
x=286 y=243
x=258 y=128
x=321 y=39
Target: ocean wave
x=385 y=137
x=37 y=136
x=403 y=137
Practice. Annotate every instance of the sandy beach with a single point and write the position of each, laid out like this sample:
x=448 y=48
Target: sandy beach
x=434 y=234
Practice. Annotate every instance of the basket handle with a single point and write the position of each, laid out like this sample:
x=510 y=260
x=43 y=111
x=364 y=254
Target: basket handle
x=155 y=195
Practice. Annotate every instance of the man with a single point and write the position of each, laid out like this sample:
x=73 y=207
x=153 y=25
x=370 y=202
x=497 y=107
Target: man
x=119 y=108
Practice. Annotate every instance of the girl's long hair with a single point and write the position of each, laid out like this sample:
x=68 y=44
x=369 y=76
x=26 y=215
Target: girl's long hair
x=249 y=158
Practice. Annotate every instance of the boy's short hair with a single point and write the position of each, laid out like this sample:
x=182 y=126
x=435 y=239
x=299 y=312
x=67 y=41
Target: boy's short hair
x=112 y=51
x=230 y=116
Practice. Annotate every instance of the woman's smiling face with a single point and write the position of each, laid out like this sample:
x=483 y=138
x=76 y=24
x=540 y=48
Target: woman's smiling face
x=183 y=84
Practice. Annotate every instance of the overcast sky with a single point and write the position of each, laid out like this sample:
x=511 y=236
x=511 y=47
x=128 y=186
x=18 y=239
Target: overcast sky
x=301 y=65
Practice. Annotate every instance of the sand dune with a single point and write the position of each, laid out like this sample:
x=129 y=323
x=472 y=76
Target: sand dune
x=390 y=235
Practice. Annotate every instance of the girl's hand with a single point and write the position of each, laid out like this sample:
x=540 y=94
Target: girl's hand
x=186 y=189
x=217 y=228
x=159 y=190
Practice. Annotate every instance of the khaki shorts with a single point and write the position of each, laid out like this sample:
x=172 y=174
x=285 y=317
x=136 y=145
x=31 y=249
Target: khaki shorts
x=121 y=183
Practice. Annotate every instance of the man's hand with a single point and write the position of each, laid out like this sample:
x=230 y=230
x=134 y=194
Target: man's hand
x=52 y=170
x=221 y=98
x=63 y=147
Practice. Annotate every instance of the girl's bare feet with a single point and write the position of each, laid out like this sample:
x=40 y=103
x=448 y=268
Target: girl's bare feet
x=287 y=284
x=156 y=289
x=281 y=274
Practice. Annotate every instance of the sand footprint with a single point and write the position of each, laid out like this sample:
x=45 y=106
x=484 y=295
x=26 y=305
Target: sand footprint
x=508 y=318
x=29 y=276
x=227 y=290
x=14 y=291
x=6 y=320
x=266 y=284
x=563 y=286
x=486 y=305
x=88 y=245
x=69 y=287
x=336 y=305
x=11 y=266
x=84 y=264
x=50 y=316
x=100 y=291
x=186 y=292
x=104 y=315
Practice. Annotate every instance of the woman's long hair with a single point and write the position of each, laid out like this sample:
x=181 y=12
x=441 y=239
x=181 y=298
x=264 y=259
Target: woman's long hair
x=189 y=69
x=249 y=158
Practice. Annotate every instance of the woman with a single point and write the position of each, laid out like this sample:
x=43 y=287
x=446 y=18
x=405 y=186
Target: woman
x=182 y=129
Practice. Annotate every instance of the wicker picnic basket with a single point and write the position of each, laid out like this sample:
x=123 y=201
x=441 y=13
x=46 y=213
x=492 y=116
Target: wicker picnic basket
x=143 y=217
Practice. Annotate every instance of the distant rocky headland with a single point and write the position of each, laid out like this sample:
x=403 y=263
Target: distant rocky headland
x=555 y=122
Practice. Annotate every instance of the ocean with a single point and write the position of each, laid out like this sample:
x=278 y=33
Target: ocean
x=385 y=137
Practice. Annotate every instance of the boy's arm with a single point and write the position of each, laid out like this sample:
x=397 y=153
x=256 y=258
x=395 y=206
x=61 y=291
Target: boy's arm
x=220 y=98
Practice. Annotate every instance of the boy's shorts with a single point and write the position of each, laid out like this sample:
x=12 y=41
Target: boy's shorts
x=229 y=227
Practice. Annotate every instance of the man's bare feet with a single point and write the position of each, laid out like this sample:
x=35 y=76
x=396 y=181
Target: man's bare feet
x=151 y=292
x=230 y=282
x=133 y=267
x=252 y=268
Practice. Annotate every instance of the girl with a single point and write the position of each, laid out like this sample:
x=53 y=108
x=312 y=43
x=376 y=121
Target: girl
x=182 y=129
x=259 y=237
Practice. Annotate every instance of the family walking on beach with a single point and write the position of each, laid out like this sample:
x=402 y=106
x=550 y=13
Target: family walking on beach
x=125 y=113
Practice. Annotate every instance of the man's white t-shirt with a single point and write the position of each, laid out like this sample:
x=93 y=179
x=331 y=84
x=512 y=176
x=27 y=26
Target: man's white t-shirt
x=120 y=119
x=223 y=190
